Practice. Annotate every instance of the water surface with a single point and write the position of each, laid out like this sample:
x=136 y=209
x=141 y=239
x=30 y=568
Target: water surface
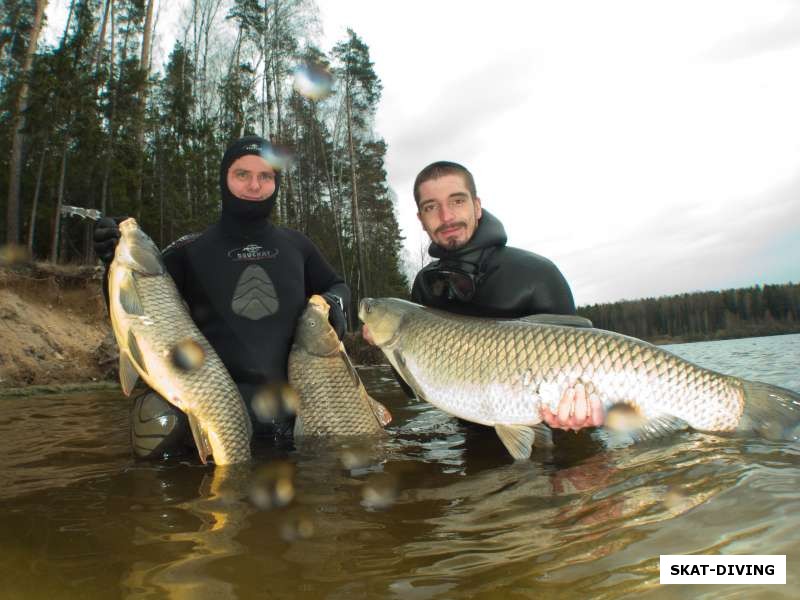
x=438 y=510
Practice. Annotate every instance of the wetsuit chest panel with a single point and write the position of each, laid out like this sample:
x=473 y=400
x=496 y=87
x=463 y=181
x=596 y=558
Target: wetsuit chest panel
x=254 y=292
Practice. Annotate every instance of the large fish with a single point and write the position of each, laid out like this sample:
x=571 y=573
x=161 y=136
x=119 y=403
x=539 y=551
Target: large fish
x=333 y=400
x=159 y=342
x=501 y=372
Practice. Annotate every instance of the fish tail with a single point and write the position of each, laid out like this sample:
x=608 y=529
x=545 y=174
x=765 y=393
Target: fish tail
x=771 y=411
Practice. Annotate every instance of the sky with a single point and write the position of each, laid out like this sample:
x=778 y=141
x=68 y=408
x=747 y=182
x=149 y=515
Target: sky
x=647 y=147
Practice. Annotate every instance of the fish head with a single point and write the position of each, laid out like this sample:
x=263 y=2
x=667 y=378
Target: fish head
x=384 y=316
x=314 y=333
x=136 y=250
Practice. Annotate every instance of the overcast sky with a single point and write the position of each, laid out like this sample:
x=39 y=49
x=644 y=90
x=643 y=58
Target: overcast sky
x=647 y=147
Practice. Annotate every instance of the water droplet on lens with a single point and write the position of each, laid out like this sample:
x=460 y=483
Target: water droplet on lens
x=380 y=491
x=188 y=355
x=284 y=492
x=297 y=528
x=272 y=487
x=354 y=458
x=277 y=156
x=266 y=405
x=291 y=399
x=313 y=81
x=273 y=401
x=13 y=254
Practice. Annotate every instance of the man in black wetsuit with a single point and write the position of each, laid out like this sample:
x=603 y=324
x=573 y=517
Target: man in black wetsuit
x=246 y=282
x=476 y=274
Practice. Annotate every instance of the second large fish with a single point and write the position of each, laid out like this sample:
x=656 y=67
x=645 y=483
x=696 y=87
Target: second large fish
x=333 y=400
x=501 y=372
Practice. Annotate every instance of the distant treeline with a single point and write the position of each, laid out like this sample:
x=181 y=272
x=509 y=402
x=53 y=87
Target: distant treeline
x=744 y=312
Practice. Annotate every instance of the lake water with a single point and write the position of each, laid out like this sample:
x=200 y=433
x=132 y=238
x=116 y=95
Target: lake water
x=437 y=511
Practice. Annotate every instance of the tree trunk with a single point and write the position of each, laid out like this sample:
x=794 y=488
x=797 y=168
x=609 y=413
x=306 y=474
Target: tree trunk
x=364 y=284
x=144 y=65
x=13 y=208
x=104 y=204
x=102 y=35
x=54 y=246
x=35 y=204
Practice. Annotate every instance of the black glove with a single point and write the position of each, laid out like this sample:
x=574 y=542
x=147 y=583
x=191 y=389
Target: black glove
x=336 y=316
x=106 y=236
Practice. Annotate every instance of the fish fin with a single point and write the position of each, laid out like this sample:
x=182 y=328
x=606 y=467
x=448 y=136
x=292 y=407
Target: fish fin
x=146 y=257
x=128 y=375
x=518 y=439
x=299 y=427
x=650 y=429
x=408 y=383
x=349 y=364
x=771 y=411
x=379 y=410
x=200 y=438
x=136 y=352
x=129 y=295
x=543 y=435
x=565 y=320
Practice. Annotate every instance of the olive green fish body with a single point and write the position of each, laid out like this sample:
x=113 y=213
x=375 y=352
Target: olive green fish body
x=333 y=400
x=153 y=327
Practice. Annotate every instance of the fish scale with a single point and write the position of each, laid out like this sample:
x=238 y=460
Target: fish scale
x=148 y=332
x=340 y=408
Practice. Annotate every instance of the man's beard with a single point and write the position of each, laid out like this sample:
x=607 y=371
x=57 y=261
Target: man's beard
x=453 y=243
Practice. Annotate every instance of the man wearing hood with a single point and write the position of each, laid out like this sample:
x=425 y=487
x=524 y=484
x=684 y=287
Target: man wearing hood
x=246 y=282
x=477 y=274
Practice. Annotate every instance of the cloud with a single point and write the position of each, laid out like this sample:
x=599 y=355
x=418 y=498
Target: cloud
x=782 y=32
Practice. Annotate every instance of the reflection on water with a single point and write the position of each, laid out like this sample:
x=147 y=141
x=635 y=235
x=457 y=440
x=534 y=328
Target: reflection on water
x=438 y=510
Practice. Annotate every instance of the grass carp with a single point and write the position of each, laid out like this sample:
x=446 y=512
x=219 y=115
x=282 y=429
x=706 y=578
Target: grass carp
x=333 y=400
x=501 y=372
x=159 y=342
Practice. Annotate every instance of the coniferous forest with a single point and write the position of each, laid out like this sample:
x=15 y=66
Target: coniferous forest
x=90 y=118
x=743 y=312
x=91 y=121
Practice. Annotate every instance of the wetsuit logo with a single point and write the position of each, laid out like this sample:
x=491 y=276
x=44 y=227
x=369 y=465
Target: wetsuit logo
x=252 y=252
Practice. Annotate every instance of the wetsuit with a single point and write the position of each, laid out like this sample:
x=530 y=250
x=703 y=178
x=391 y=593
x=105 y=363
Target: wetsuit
x=509 y=282
x=246 y=282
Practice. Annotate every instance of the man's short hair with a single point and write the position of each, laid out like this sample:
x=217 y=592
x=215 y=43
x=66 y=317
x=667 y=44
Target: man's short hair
x=440 y=168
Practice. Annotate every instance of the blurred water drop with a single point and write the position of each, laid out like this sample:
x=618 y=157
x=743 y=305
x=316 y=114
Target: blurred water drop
x=273 y=401
x=13 y=254
x=279 y=157
x=380 y=491
x=297 y=528
x=188 y=355
x=622 y=417
x=674 y=498
x=354 y=458
x=313 y=81
x=273 y=486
